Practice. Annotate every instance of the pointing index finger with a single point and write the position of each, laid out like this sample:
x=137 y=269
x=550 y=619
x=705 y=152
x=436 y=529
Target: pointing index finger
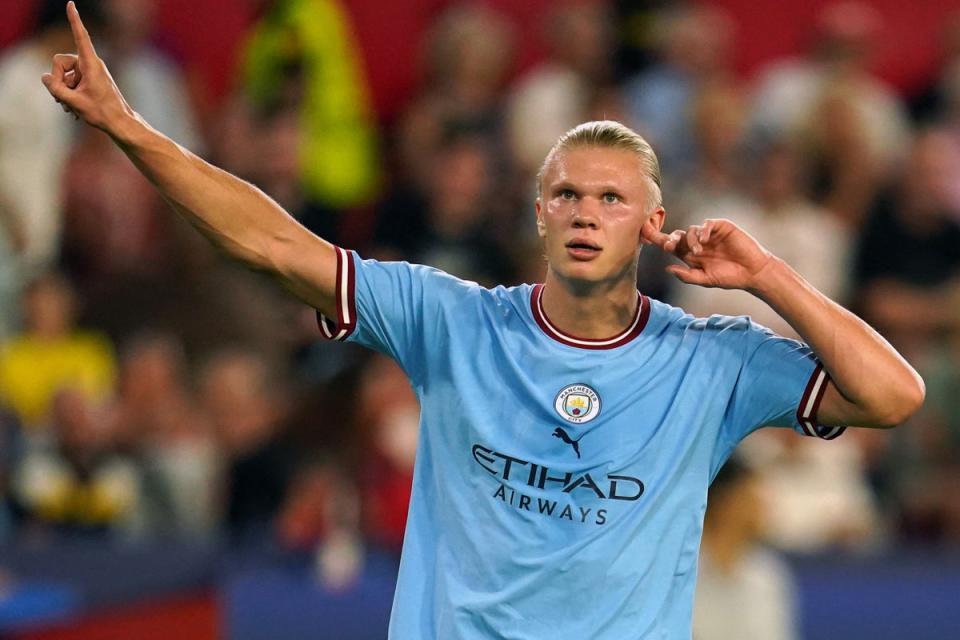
x=80 y=36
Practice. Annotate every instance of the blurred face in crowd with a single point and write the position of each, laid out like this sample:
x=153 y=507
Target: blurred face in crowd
x=460 y=185
x=152 y=371
x=719 y=121
x=580 y=34
x=469 y=51
x=237 y=399
x=847 y=33
x=839 y=126
x=740 y=508
x=931 y=178
x=393 y=412
x=129 y=22
x=76 y=422
x=780 y=175
x=593 y=204
x=278 y=159
x=699 y=40
x=48 y=308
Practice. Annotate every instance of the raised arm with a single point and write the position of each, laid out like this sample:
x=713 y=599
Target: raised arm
x=232 y=213
x=872 y=385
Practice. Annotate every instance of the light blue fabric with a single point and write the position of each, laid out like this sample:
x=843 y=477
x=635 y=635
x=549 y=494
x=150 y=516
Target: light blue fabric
x=513 y=531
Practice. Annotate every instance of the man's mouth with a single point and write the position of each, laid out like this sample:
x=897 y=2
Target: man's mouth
x=583 y=249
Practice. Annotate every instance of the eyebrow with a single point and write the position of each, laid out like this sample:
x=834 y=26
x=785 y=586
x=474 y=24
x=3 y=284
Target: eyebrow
x=566 y=184
x=602 y=189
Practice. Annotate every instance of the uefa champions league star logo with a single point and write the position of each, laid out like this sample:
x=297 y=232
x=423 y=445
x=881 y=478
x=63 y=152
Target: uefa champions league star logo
x=577 y=403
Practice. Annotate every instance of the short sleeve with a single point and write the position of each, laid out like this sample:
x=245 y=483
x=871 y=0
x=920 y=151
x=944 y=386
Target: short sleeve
x=395 y=308
x=780 y=383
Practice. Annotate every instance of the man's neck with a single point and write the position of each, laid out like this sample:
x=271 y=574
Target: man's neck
x=593 y=312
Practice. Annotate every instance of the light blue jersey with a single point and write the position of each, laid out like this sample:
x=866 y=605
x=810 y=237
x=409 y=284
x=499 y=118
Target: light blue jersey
x=560 y=483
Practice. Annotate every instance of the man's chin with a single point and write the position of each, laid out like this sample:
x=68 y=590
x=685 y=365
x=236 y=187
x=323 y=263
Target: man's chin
x=582 y=273
x=589 y=274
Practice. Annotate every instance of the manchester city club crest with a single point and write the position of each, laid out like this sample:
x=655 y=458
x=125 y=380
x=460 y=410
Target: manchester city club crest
x=577 y=403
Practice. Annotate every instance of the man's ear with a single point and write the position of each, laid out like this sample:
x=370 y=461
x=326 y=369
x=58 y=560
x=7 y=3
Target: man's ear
x=653 y=223
x=541 y=227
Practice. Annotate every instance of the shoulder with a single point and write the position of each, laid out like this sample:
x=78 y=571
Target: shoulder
x=429 y=283
x=666 y=317
x=740 y=334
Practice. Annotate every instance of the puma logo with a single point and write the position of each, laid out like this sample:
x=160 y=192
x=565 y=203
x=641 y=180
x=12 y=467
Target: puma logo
x=560 y=433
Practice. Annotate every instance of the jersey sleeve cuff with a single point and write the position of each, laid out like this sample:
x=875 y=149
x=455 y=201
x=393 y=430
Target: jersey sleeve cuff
x=343 y=325
x=810 y=404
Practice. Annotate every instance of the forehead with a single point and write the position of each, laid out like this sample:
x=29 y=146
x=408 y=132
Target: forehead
x=596 y=166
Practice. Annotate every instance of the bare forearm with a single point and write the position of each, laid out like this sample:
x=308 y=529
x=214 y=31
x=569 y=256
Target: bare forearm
x=882 y=389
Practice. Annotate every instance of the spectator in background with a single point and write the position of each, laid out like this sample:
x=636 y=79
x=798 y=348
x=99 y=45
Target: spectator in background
x=908 y=270
x=75 y=482
x=744 y=592
x=820 y=499
x=908 y=263
x=278 y=138
x=451 y=225
x=390 y=416
x=52 y=353
x=716 y=181
x=939 y=102
x=467 y=55
x=113 y=233
x=321 y=515
x=695 y=44
x=301 y=54
x=848 y=170
x=558 y=93
x=856 y=123
x=152 y=84
x=157 y=420
x=34 y=142
x=242 y=400
x=922 y=465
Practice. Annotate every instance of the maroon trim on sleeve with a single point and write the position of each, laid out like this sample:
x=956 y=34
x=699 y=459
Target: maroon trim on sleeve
x=346 y=317
x=810 y=404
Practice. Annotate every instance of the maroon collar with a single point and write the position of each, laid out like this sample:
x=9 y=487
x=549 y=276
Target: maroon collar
x=639 y=322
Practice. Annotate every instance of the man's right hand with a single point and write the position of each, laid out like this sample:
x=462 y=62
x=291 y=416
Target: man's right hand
x=81 y=83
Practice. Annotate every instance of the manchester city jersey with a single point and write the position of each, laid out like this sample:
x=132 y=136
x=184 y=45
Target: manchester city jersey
x=560 y=483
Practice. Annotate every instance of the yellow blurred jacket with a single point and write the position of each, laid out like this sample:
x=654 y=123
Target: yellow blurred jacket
x=33 y=370
x=338 y=157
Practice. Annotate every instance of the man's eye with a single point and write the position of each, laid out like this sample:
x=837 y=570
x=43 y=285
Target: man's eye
x=567 y=194
x=611 y=198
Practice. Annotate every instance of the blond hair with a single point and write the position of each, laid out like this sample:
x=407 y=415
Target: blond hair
x=613 y=135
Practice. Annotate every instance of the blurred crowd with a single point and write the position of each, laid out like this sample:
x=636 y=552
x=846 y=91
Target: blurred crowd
x=150 y=388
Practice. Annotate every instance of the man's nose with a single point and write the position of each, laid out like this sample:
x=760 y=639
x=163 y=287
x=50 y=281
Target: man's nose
x=586 y=214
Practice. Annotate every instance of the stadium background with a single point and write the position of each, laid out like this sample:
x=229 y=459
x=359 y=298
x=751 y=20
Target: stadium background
x=178 y=453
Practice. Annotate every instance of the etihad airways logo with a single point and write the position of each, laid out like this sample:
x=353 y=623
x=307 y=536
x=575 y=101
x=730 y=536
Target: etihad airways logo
x=519 y=473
